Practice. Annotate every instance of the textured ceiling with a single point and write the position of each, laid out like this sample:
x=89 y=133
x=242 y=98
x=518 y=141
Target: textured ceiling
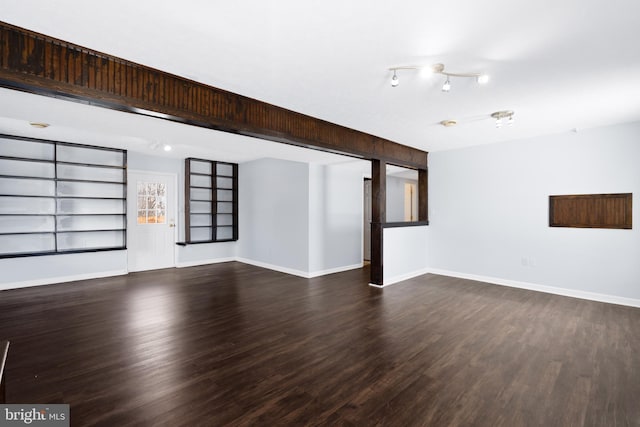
x=559 y=64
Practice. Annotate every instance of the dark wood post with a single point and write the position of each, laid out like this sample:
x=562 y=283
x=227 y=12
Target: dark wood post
x=423 y=195
x=378 y=217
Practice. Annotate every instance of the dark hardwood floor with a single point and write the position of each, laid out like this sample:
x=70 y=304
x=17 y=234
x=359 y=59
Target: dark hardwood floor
x=233 y=344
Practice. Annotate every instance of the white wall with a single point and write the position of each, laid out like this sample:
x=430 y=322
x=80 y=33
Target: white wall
x=335 y=218
x=404 y=253
x=300 y=218
x=41 y=270
x=489 y=211
x=274 y=214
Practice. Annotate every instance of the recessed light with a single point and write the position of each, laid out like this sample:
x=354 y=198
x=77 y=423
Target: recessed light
x=167 y=147
x=449 y=123
x=39 y=125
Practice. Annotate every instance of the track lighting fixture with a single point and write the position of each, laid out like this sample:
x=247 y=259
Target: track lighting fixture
x=394 y=80
x=500 y=115
x=437 y=69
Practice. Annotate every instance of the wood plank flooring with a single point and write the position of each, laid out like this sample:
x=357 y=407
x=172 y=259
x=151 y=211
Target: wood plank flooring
x=233 y=344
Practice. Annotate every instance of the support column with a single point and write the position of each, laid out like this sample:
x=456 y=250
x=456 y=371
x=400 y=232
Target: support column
x=378 y=217
x=423 y=195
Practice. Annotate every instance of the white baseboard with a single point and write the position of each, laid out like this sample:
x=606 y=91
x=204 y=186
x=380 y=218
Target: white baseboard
x=268 y=266
x=335 y=270
x=61 y=279
x=401 y=278
x=574 y=293
x=299 y=273
x=204 y=262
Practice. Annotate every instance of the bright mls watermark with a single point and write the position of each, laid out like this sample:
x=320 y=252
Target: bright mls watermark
x=34 y=415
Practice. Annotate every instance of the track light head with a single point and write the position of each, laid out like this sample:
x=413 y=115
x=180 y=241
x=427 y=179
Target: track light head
x=446 y=87
x=482 y=79
x=394 y=80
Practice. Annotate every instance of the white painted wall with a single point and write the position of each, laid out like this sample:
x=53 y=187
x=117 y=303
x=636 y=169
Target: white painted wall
x=299 y=218
x=46 y=269
x=274 y=214
x=489 y=211
x=335 y=218
x=404 y=253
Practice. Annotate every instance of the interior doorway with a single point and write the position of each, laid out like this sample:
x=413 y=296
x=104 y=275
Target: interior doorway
x=151 y=220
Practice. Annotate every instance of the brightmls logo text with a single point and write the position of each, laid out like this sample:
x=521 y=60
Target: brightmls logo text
x=34 y=415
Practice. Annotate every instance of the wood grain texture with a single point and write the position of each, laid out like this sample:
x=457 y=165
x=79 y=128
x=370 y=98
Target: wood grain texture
x=591 y=211
x=233 y=344
x=40 y=64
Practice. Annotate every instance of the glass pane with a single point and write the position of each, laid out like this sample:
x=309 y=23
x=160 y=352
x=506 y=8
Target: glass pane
x=88 y=222
x=200 y=220
x=200 y=234
x=224 y=219
x=90 y=206
x=27 y=205
x=26 y=168
x=200 y=194
x=151 y=202
x=224 y=182
x=26 y=243
x=26 y=224
x=142 y=217
x=27 y=187
x=162 y=189
x=89 y=173
x=224 y=169
x=142 y=189
x=223 y=233
x=89 y=155
x=152 y=188
x=200 y=181
x=26 y=149
x=200 y=167
x=200 y=207
x=90 y=240
x=225 y=207
x=90 y=189
x=225 y=195
x=160 y=216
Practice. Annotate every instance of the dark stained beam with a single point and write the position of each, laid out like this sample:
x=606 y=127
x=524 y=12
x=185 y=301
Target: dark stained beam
x=43 y=65
x=378 y=218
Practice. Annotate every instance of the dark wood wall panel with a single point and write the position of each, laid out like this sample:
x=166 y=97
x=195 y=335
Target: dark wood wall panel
x=40 y=64
x=591 y=211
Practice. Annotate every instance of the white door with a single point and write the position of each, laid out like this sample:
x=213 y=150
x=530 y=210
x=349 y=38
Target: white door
x=151 y=219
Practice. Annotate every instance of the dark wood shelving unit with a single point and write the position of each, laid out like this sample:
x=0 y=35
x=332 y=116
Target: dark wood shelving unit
x=58 y=197
x=211 y=201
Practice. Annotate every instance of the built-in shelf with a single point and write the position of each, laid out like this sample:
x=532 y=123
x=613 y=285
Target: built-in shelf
x=58 y=197
x=211 y=201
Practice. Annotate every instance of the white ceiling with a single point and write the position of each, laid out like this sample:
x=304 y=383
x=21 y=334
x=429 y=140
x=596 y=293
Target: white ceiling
x=560 y=64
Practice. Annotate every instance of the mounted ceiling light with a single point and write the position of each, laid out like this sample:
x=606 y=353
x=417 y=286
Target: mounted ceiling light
x=437 y=69
x=501 y=115
x=39 y=125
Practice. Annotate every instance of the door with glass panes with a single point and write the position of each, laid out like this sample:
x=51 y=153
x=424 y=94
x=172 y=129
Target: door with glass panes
x=151 y=221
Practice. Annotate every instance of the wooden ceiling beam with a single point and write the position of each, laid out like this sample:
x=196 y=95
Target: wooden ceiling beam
x=43 y=65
